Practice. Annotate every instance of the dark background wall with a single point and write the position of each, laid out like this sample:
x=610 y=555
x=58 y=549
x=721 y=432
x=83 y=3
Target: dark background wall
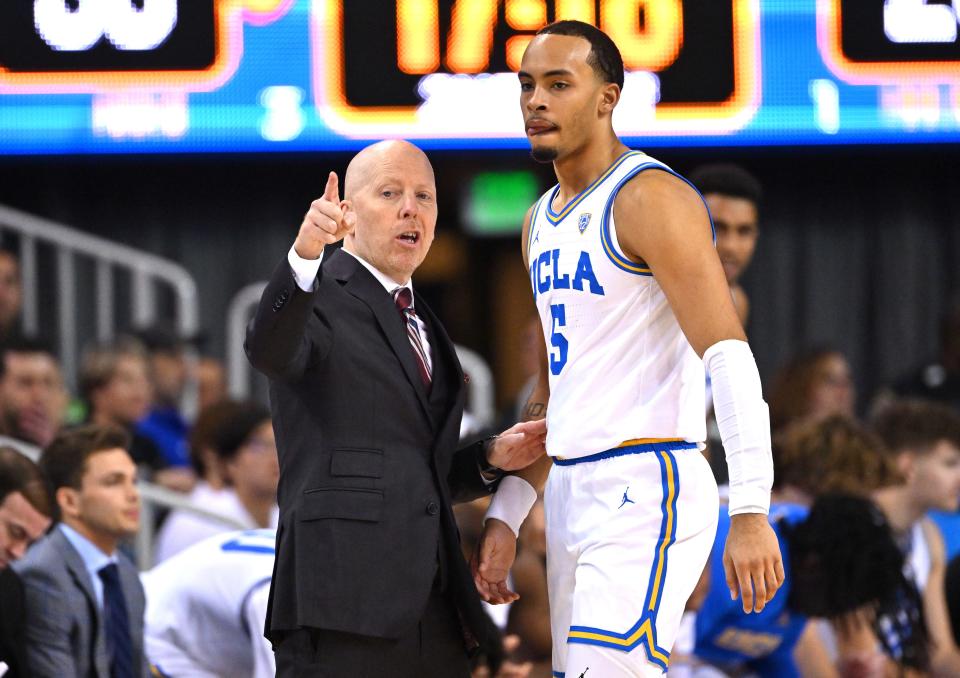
x=859 y=248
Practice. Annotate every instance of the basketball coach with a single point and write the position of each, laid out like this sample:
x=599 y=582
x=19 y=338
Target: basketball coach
x=367 y=396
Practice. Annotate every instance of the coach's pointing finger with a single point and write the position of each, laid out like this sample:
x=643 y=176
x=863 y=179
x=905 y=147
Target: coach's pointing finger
x=325 y=222
x=331 y=192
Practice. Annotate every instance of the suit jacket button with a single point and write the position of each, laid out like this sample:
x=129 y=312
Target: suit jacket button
x=433 y=508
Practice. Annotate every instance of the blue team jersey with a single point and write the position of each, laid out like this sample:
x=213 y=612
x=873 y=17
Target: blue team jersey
x=763 y=642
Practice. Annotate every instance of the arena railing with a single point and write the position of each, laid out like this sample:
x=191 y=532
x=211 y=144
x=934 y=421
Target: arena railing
x=480 y=388
x=152 y=498
x=108 y=257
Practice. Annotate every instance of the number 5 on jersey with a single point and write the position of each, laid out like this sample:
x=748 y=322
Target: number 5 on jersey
x=558 y=358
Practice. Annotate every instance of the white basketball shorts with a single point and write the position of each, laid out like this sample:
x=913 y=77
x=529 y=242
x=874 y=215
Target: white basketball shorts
x=629 y=531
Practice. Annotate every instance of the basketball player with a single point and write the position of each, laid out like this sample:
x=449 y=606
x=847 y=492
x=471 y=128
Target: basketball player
x=631 y=295
x=206 y=607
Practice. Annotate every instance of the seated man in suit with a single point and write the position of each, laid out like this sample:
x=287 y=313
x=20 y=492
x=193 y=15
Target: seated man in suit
x=367 y=396
x=25 y=506
x=25 y=512
x=83 y=601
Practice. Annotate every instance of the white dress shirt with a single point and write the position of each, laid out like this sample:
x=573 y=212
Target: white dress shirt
x=305 y=273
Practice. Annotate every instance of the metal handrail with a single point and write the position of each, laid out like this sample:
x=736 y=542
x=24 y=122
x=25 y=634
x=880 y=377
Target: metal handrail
x=239 y=312
x=108 y=255
x=480 y=389
x=153 y=496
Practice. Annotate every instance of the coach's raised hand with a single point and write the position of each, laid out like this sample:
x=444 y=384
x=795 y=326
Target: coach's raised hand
x=327 y=221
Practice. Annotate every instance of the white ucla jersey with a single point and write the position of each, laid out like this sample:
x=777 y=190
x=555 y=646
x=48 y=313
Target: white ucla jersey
x=620 y=367
x=206 y=607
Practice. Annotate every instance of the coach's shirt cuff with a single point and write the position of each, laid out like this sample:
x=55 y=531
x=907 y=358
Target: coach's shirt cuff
x=304 y=270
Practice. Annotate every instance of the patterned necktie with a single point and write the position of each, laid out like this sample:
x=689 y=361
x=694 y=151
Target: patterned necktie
x=403 y=298
x=116 y=623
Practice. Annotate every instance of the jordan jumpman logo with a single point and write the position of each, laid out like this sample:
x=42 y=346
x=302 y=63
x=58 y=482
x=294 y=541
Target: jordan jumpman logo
x=583 y=675
x=626 y=499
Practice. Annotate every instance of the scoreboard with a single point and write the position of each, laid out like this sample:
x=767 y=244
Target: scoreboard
x=162 y=76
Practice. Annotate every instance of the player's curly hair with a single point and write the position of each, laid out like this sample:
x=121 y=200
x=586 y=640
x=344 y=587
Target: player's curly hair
x=843 y=559
x=833 y=455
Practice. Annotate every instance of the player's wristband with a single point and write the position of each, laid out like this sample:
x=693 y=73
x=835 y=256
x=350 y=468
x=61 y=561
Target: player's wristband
x=512 y=502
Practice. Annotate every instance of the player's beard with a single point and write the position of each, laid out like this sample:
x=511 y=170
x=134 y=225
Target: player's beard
x=544 y=154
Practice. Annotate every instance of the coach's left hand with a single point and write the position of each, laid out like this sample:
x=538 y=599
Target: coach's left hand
x=519 y=446
x=752 y=561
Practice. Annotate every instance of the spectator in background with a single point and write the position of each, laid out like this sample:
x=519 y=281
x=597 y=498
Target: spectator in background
x=180 y=529
x=203 y=446
x=247 y=455
x=83 y=600
x=11 y=295
x=840 y=558
x=169 y=370
x=733 y=195
x=938 y=380
x=26 y=510
x=33 y=399
x=211 y=382
x=923 y=439
x=811 y=386
x=115 y=383
x=25 y=505
x=835 y=456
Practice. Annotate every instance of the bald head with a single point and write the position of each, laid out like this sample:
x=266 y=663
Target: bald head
x=392 y=191
x=383 y=154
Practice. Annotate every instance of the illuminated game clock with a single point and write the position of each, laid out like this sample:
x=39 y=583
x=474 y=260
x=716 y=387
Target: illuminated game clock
x=892 y=41
x=445 y=68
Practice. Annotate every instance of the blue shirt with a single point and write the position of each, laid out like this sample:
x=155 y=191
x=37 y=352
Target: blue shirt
x=763 y=642
x=93 y=558
x=168 y=430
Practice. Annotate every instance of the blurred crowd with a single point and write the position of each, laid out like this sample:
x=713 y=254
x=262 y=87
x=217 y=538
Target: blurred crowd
x=865 y=502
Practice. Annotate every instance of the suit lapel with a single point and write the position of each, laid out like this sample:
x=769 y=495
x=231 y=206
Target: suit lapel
x=99 y=661
x=361 y=284
x=448 y=375
x=77 y=570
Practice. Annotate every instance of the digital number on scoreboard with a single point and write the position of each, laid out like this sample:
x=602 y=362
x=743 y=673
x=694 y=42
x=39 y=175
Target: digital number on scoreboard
x=446 y=67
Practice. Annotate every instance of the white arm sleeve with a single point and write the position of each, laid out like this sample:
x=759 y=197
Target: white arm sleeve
x=512 y=502
x=304 y=270
x=744 y=422
x=255 y=614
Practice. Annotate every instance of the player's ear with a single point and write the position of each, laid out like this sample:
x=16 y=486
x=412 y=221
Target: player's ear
x=68 y=500
x=609 y=98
